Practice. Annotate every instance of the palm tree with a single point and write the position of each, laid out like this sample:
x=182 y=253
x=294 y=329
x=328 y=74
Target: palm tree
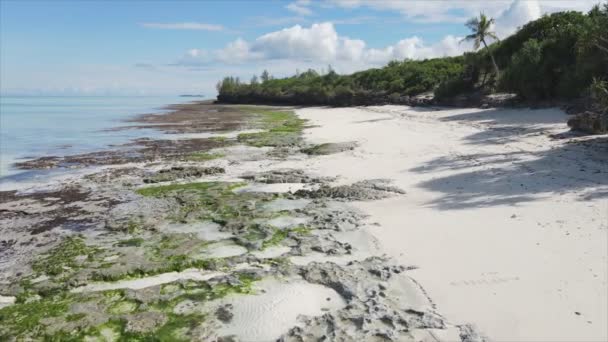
x=481 y=31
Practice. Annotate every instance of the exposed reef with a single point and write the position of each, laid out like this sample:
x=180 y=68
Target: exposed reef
x=192 y=243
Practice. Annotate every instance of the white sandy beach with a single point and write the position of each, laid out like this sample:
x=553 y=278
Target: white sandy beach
x=507 y=226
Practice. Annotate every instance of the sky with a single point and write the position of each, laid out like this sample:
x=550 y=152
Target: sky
x=184 y=47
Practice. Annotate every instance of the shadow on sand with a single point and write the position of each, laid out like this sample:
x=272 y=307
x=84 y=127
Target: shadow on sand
x=514 y=177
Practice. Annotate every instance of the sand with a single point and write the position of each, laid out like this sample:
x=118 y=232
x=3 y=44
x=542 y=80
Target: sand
x=222 y=249
x=205 y=230
x=286 y=204
x=276 y=307
x=507 y=226
x=283 y=222
x=271 y=252
x=7 y=301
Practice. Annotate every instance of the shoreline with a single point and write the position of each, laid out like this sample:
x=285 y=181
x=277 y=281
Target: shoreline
x=333 y=196
x=28 y=132
x=196 y=238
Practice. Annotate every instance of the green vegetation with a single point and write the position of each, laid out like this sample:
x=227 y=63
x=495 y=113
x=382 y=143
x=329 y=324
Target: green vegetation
x=175 y=328
x=133 y=242
x=399 y=78
x=63 y=257
x=169 y=254
x=202 y=187
x=213 y=201
x=59 y=317
x=554 y=57
x=203 y=156
x=278 y=236
x=281 y=128
x=599 y=91
x=25 y=317
x=481 y=32
x=281 y=234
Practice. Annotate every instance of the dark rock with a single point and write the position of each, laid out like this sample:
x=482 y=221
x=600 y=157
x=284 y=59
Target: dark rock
x=330 y=148
x=359 y=191
x=589 y=122
x=284 y=176
x=182 y=172
x=224 y=313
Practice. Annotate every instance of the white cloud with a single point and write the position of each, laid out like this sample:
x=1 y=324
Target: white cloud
x=235 y=52
x=184 y=26
x=300 y=7
x=320 y=44
x=519 y=13
x=195 y=53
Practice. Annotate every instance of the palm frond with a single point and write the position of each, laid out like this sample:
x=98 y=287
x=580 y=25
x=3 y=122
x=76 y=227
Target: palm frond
x=472 y=24
x=492 y=35
x=480 y=26
x=477 y=43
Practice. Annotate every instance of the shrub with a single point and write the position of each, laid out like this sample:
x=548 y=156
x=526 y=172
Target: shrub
x=452 y=87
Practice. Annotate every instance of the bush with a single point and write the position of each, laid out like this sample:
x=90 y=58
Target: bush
x=452 y=87
x=523 y=74
x=599 y=94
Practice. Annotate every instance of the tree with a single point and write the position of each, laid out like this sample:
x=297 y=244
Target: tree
x=265 y=76
x=481 y=31
x=601 y=39
x=599 y=91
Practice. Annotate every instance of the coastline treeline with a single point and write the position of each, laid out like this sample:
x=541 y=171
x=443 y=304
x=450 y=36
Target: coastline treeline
x=563 y=55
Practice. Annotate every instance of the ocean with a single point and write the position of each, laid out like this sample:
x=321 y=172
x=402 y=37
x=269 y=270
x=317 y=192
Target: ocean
x=33 y=126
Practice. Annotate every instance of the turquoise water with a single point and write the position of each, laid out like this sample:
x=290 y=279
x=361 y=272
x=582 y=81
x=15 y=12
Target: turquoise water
x=45 y=126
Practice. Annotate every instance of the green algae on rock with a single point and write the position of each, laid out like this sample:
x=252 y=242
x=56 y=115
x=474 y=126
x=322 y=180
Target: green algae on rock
x=203 y=156
x=215 y=201
x=282 y=128
x=126 y=314
x=63 y=257
x=182 y=172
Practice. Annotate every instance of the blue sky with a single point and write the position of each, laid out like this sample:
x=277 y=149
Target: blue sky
x=170 y=47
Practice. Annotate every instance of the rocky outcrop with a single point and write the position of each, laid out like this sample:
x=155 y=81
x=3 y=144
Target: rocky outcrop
x=589 y=122
x=360 y=191
x=372 y=312
x=284 y=176
x=182 y=172
x=330 y=148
